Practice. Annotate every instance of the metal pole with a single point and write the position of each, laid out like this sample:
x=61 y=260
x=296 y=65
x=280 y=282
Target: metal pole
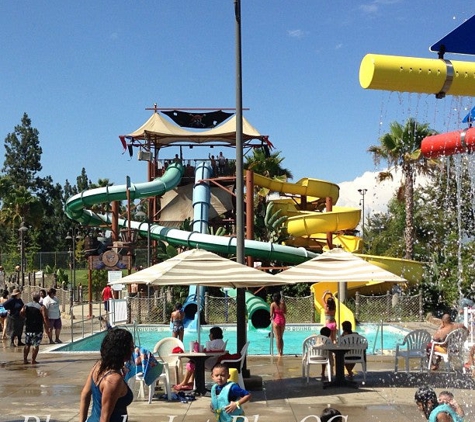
x=74 y=264
x=23 y=229
x=362 y=193
x=22 y=265
x=240 y=294
x=70 y=253
x=149 y=258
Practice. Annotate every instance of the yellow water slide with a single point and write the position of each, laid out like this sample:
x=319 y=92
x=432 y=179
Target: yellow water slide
x=412 y=271
x=342 y=312
x=308 y=223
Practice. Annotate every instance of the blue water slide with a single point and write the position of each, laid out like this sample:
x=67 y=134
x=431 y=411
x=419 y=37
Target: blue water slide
x=189 y=308
x=201 y=204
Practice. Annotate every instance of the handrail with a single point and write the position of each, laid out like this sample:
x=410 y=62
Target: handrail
x=378 y=331
x=271 y=345
x=136 y=334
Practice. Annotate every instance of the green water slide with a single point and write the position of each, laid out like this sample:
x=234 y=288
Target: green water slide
x=76 y=209
x=258 y=310
x=76 y=206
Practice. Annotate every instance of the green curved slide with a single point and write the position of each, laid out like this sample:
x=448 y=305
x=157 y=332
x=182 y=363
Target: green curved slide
x=258 y=310
x=76 y=209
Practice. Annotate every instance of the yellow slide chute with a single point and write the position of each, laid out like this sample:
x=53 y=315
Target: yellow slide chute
x=307 y=223
x=342 y=312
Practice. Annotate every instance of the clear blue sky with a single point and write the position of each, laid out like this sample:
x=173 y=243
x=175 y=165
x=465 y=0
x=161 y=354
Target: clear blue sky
x=85 y=72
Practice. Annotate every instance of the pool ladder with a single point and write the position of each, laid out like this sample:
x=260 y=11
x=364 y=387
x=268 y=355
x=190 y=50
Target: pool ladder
x=136 y=334
x=378 y=331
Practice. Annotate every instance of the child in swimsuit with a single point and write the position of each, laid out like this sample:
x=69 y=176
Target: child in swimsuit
x=176 y=318
x=330 y=310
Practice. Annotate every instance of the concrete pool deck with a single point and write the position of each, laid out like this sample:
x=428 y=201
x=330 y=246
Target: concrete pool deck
x=53 y=387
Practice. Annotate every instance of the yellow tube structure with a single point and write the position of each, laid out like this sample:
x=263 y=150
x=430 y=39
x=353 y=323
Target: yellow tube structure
x=411 y=74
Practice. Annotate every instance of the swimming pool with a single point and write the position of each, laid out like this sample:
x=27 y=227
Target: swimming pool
x=148 y=335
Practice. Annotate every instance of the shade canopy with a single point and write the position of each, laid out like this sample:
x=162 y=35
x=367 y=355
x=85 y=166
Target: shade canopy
x=162 y=132
x=459 y=41
x=337 y=265
x=200 y=267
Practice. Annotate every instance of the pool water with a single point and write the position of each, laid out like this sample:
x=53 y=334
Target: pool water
x=147 y=336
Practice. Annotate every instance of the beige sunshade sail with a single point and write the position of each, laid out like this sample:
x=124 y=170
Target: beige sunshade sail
x=163 y=132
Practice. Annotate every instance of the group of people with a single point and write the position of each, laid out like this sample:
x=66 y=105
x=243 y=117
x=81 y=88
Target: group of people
x=218 y=164
x=106 y=387
x=443 y=408
x=41 y=314
x=110 y=395
x=18 y=317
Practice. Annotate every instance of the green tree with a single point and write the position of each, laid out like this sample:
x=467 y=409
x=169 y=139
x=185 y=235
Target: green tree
x=23 y=155
x=268 y=165
x=82 y=181
x=400 y=148
x=55 y=223
x=443 y=220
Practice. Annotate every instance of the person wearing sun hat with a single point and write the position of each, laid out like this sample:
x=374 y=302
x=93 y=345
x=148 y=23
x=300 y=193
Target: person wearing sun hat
x=15 y=321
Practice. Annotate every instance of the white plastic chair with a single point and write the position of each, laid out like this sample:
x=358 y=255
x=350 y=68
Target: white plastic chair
x=313 y=354
x=171 y=364
x=240 y=363
x=414 y=346
x=146 y=375
x=357 y=353
x=453 y=343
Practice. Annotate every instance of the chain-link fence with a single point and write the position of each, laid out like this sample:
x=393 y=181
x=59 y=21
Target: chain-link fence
x=223 y=310
x=220 y=310
x=217 y=310
x=148 y=310
x=300 y=309
x=388 y=307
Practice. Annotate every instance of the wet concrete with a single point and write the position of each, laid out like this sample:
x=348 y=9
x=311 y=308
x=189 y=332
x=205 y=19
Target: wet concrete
x=50 y=391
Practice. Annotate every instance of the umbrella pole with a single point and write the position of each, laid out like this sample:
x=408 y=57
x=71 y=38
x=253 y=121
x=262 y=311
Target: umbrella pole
x=198 y=313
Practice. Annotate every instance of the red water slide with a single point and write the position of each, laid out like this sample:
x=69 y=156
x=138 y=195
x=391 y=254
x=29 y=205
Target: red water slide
x=449 y=143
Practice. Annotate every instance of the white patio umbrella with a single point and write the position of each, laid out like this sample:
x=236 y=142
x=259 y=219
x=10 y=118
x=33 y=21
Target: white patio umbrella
x=340 y=267
x=202 y=268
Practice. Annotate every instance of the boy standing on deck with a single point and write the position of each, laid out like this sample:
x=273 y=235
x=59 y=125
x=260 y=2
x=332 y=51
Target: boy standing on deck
x=227 y=397
x=35 y=319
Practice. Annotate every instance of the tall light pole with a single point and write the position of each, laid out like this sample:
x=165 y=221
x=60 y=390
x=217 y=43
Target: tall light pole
x=142 y=216
x=362 y=193
x=22 y=230
x=73 y=260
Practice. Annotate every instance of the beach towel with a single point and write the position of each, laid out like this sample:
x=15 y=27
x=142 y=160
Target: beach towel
x=143 y=362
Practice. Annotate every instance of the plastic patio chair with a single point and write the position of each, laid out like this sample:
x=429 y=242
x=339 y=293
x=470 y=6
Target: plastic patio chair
x=313 y=354
x=414 y=346
x=171 y=364
x=357 y=353
x=240 y=363
x=146 y=374
x=453 y=343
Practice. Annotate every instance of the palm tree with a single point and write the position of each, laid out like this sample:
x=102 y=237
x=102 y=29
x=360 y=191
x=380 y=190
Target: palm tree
x=267 y=164
x=400 y=148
